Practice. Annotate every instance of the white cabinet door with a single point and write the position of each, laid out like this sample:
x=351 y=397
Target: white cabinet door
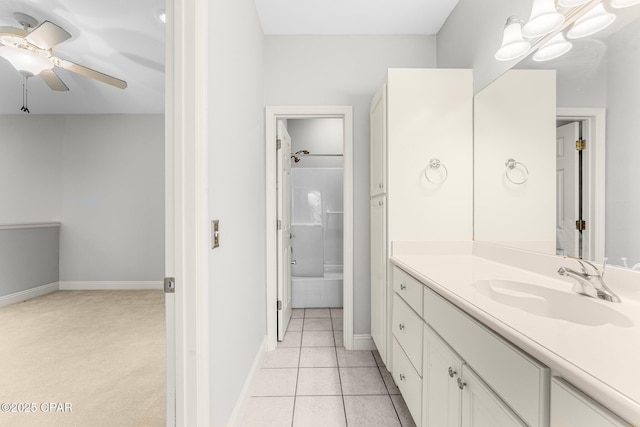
x=481 y=407
x=378 y=143
x=378 y=223
x=441 y=395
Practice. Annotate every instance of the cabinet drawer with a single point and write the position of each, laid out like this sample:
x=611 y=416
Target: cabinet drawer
x=408 y=381
x=571 y=408
x=407 y=328
x=519 y=380
x=408 y=288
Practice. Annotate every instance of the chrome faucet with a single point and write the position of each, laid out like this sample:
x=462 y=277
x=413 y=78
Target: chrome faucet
x=589 y=283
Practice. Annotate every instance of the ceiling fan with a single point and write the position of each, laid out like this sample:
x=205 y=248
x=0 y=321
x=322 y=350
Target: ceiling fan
x=29 y=50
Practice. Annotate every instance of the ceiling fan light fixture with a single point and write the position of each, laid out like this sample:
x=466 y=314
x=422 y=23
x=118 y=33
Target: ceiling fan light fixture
x=26 y=62
x=618 y=4
x=597 y=19
x=513 y=44
x=544 y=19
x=553 y=49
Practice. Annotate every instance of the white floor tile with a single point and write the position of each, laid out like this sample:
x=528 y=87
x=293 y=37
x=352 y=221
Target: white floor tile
x=297 y=313
x=281 y=357
x=295 y=325
x=388 y=381
x=320 y=411
x=337 y=323
x=268 y=412
x=337 y=313
x=358 y=358
x=315 y=313
x=318 y=357
x=317 y=339
x=318 y=382
x=291 y=339
x=338 y=337
x=359 y=381
x=275 y=382
x=403 y=412
x=369 y=411
x=317 y=324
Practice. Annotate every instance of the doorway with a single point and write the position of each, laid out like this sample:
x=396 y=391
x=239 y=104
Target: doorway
x=279 y=292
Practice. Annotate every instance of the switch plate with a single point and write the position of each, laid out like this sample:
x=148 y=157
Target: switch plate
x=215 y=233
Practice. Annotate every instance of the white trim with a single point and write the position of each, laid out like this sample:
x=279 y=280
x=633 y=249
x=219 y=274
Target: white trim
x=245 y=394
x=28 y=294
x=301 y=112
x=30 y=225
x=363 y=342
x=111 y=286
x=596 y=156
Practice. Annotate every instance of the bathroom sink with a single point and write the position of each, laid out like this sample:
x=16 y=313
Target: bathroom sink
x=550 y=303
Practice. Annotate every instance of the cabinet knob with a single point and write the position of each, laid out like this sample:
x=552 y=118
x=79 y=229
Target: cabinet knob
x=380 y=185
x=451 y=372
x=402 y=287
x=401 y=326
x=402 y=377
x=380 y=203
x=461 y=384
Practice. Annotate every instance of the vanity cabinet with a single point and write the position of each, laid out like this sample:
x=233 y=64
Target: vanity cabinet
x=417 y=115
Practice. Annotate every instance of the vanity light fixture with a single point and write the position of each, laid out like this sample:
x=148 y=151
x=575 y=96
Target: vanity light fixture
x=624 y=3
x=544 y=19
x=571 y=3
x=597 y=19
x=513 y=44
x=553 y=49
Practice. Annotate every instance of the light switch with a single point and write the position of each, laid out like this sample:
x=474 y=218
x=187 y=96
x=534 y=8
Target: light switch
x=215 y=233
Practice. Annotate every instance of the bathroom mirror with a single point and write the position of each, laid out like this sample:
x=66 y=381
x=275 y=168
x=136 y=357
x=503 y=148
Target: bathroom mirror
x=597 y=99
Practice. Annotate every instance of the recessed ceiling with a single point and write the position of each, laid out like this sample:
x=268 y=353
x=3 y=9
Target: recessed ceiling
x=324 y=17
x=122 y=38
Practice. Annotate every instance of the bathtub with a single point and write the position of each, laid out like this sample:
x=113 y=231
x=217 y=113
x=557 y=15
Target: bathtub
x=318 y=292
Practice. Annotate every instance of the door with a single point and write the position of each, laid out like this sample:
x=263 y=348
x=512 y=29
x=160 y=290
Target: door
x=378 y=230
x=441 y=369
x=567 y=236
x=284 y=229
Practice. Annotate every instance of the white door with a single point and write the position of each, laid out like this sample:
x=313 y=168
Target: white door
x=284 y=230
x=567 y=190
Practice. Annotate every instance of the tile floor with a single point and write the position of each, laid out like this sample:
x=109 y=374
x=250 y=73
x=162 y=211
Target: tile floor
x=311 y=380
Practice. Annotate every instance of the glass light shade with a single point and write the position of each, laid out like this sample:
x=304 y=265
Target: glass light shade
x=624 y=3
x=543 y=20
x=24 y=61
x=513 y=45
x=571 y=3
x=553 y=49
x=597 y=19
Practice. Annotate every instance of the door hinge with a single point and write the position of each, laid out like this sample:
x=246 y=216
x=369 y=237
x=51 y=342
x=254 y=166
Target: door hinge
x=581 y=144
x=279 y=305
x=278 y=144
x=279 y=225
x=581 y=225
x=169 y=285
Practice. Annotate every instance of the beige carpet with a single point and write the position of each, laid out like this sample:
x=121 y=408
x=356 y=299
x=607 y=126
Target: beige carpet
x=100 y=351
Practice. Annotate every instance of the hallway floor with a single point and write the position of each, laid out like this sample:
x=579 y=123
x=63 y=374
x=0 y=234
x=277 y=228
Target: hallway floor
x=311 y=380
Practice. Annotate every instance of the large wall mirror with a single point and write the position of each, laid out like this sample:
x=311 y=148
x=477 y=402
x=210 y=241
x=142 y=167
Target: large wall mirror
x=536 y=186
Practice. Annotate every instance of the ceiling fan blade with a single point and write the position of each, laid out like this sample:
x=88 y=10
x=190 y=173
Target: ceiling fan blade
x=53 y=81
x=47 y=35
x=88 y=72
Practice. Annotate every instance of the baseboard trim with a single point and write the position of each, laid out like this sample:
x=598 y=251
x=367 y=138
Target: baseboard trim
x=29 y=293
x=112 y=286
x=363 y=342
x=241 y=403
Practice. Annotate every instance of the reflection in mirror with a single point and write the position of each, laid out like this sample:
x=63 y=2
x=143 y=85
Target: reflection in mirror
x=596 y=189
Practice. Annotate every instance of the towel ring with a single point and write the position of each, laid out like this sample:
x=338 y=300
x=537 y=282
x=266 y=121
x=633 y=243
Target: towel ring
x=435 y=165
x=511 y=164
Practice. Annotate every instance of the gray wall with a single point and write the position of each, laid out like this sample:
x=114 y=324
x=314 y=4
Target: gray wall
x=28 y=258
x=344 y=70
x=237 y=269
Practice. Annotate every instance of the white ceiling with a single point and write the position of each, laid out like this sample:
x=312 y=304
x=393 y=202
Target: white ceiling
x=125 y=39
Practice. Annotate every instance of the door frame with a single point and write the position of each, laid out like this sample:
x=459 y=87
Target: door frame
x=186 y=212
x=272 y=114
x=595 y=152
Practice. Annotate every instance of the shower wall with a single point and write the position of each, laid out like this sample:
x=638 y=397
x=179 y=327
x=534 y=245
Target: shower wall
x=317 y=235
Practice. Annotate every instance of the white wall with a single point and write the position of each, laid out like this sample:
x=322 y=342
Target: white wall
x=113 y=198
x=30 y=168
x=237 y=198
x=343 y=70
x=318 y=136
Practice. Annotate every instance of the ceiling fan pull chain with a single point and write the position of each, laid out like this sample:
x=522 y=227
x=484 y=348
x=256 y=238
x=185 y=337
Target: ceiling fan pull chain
x=24 y=80
x=26 y=95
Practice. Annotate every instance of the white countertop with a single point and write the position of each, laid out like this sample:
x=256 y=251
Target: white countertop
x=602 y=359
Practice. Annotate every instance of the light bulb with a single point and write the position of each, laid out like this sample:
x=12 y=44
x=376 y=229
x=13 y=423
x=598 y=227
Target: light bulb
x=513 y=45
x=553 y=49
x=543 y=20
x=624 y=3
x=597 y=19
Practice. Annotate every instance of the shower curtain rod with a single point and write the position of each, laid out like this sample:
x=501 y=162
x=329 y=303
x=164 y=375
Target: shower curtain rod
x=323 y=155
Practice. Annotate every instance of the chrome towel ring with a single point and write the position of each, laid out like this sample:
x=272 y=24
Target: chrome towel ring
x=512 y=165
x=437 y=170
